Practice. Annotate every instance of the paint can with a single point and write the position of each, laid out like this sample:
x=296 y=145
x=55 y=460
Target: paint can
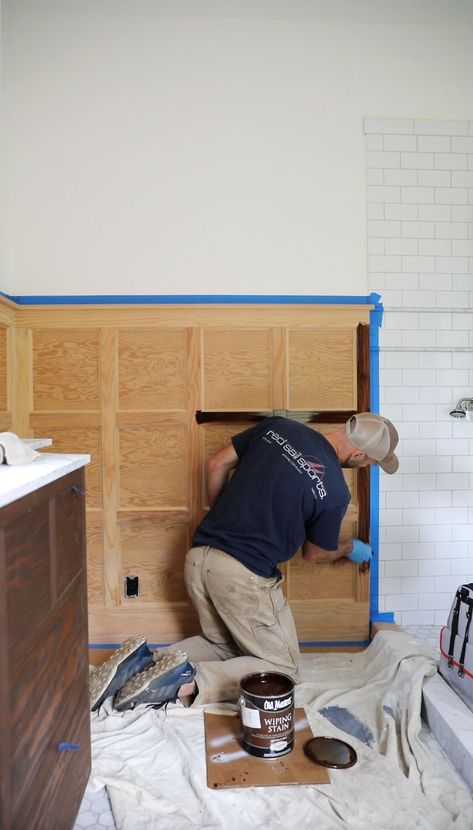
x=267 y=714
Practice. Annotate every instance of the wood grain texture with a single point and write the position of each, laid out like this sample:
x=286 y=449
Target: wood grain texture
x=321 y=364
x=195 y=481
x=152 y=369
x=163 y=623
x=329 y=619
x=8 y=311
x=66 y=370
x=73 y=433
x=3 y=369
x=6 y=422
x=174 y=316
x=312 y=582
x=124 y=383
x=153 y=468
x=279 y=368
x=153 y=548
x=44 y=670
x=95 y=551
x=20 y=381
x=69 y=535
x=236 y=369
x=110 y=464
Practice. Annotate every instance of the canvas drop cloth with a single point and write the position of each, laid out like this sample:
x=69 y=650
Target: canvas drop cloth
x=153 y=761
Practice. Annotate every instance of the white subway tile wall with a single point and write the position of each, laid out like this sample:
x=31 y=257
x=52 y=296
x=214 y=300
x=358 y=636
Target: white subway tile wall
x=420 y=260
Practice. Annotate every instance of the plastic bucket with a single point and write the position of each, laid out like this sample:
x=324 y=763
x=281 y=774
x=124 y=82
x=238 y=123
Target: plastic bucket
x=267 y=714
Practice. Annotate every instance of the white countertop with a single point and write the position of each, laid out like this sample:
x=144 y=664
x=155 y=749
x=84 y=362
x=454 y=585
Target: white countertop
x=22 y=479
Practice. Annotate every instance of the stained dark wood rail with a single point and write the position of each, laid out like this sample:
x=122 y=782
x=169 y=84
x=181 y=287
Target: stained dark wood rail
x=363 y=401
x=327 y=417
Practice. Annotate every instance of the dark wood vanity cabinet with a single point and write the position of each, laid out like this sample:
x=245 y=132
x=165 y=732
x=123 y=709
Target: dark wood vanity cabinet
x=44 y=706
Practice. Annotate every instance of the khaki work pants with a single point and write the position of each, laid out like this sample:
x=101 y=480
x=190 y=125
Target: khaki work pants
x=246 y=622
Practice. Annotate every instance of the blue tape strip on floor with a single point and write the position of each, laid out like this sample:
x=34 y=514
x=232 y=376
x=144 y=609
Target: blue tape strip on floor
x=386 y=616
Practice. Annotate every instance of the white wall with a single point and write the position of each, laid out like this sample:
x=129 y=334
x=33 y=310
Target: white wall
x=217 y=147
x=199 y=147
x=420 y=226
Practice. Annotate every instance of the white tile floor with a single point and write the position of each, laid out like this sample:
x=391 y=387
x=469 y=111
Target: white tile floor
x=430 y=633
x=95 y=812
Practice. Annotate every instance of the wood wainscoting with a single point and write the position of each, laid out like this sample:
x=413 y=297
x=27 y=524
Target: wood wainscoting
x=124 y=383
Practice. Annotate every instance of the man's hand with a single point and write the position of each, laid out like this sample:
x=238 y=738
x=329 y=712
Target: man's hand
x=360 y=553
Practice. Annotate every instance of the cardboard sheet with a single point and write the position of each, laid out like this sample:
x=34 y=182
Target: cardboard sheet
x=228 y=765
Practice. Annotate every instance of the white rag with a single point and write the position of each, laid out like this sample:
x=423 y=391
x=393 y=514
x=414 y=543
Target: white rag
x=153 y=762
x=14 y=451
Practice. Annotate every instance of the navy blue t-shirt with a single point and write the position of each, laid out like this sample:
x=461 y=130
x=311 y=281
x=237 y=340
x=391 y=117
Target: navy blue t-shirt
x=287 y=487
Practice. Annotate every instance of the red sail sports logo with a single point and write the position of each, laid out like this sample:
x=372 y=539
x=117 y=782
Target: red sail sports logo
x=309 y=464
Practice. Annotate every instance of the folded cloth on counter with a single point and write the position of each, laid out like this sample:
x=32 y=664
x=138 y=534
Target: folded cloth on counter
x=14 y=451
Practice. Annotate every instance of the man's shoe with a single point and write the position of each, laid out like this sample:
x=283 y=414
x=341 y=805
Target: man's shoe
x=158 y=684
x=133 y=656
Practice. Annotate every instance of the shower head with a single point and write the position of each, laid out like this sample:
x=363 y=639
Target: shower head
x=464 y=406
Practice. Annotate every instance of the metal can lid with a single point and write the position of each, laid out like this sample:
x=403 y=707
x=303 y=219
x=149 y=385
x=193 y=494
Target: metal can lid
x=330 y=752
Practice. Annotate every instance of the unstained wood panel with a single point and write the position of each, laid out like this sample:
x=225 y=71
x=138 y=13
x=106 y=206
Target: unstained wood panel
x=153 y=468
x=152 y=369
x=322 y=369
x=74 y=438
x=3 y=369
x=154 y=548
x=236 y=369
x=124 y=386
x=95 y=569
x=66 y=370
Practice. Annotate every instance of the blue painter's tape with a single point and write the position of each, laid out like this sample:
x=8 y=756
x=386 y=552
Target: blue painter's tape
x=375 y=298
x=374 y=539
x=376 y=317
x=181 y=299
x=386 y=617
x=375 y=322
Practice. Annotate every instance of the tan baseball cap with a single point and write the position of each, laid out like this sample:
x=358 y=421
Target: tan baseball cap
x=377 y=437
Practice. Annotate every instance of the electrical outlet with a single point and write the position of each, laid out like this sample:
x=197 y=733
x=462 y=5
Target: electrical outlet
x=132 y=587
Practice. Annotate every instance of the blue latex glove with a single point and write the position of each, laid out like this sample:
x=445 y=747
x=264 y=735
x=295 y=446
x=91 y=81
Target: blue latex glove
x=361 y=552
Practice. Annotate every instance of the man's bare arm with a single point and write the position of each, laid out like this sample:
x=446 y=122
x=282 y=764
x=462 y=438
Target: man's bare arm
x=218 y=468
x=312 y=553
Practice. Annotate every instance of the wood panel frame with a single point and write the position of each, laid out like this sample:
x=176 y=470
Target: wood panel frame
x=111 y=620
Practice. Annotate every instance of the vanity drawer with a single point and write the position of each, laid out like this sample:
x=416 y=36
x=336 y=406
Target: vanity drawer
x=61 y=777
x=47 y=687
